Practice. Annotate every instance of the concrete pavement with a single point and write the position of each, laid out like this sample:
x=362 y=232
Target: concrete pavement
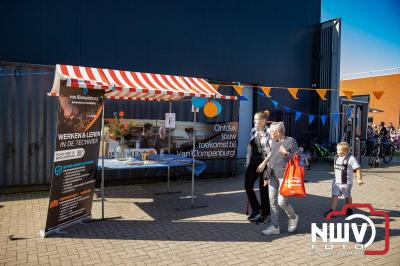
x=164 y=230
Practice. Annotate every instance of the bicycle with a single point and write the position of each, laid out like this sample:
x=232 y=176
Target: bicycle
x=381 y=149
x=322 y=153
x=388 y=150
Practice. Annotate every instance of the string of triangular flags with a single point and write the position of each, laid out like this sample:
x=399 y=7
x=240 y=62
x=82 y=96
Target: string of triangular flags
x=311 y=117
x=267 y=90
x=294 y=91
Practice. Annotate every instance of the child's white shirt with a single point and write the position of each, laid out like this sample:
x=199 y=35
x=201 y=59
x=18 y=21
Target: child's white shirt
x=351 y=166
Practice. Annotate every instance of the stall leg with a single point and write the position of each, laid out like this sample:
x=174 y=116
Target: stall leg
x=168 y=180
x=168 y=185
x=193 y=149
x=192 y=206
x=102 y=176
x=169 y=131
x=102 y=164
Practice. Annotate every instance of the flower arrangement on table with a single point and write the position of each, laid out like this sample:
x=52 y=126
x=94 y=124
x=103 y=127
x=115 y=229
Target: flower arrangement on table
x=118 y=128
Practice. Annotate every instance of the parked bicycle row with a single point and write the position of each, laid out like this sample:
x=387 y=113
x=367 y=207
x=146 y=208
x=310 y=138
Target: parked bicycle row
x=380 y=145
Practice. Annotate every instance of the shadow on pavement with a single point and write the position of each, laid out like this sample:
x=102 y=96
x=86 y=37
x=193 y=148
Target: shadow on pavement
x=168 y=224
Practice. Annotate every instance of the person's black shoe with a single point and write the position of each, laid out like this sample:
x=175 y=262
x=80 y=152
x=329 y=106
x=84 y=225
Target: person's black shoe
x=254 y=216
x=262 y=219
x=308 y=167
x=326 y=213
x=349 y=212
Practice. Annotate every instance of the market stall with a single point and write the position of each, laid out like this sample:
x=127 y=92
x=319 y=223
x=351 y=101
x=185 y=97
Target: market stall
x=82 y=92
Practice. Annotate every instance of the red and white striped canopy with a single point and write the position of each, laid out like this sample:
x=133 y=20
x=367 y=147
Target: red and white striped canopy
x=127 y=85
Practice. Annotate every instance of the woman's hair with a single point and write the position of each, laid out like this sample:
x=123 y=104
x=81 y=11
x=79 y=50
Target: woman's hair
x=263 y=114
x=278 y=126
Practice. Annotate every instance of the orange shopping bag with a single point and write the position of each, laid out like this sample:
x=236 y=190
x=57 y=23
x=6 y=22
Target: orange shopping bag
x=293 y=180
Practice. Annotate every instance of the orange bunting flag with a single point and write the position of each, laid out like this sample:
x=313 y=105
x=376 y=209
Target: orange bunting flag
x=215 y=86
x=348 y=94
x=378 y=94
x=322 y=93
x=293 y=92
x=266 y=91
x=238 y=89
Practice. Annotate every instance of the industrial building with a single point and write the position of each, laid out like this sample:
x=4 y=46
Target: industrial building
x=251 y=43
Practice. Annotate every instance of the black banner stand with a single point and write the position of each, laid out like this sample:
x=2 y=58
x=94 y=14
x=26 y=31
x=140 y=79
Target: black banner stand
x=59 y=230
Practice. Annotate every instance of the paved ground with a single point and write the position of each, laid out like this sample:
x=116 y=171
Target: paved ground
x=152 y=231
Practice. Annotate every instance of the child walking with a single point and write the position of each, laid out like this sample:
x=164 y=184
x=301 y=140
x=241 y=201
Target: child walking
x=345 y=164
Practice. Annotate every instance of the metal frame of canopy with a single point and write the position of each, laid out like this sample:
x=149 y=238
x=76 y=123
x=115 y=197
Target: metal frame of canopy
x=125 y=85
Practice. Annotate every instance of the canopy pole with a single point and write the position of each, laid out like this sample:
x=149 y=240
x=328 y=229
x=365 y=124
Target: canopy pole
x=193 y=149
x=169 y=130
x=102 y=163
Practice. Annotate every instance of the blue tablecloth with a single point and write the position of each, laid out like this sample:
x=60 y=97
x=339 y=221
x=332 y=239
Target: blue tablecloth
x=169 y=160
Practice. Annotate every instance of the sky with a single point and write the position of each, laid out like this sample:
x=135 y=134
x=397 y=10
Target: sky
x=370 y=33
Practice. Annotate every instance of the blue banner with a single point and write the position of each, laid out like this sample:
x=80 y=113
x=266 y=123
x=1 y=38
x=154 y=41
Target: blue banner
x=287 y=109
x=298 y=115
x=242 y=98
x=310 y=118
x=323 y=119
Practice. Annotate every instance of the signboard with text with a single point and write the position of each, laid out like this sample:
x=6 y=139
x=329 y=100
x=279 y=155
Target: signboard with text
x=75 y=159
x=213 y=141
x=217 y=141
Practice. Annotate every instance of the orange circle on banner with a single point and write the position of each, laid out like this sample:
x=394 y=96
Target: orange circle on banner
x=210 y=109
